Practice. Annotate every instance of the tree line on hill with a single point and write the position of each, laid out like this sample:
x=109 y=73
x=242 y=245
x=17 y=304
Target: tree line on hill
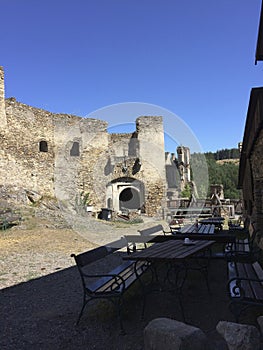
x=225 y=173
x=232 y=153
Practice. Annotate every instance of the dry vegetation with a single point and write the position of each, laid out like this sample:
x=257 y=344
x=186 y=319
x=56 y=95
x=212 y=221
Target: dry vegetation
x=33 y=250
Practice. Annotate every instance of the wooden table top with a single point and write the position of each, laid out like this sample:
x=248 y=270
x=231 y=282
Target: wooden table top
x=175 y=250
x=200 y=229
x=213 y=220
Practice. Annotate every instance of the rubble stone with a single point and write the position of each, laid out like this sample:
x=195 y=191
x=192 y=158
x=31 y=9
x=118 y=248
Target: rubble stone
x=168 y=334
x=239 y=336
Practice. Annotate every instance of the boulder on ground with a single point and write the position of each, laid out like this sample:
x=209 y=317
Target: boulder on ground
x=168 y=334
x=239 y=336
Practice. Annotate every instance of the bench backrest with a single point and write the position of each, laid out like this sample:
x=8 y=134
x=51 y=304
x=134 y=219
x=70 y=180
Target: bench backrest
x=137 y=242
x=151 y=230
x=253 y=235
x=257 y=267
x=93 y=255
x=157 y=229
x=90 y=256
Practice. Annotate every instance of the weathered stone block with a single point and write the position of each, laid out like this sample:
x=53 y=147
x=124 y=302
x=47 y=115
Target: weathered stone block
x=239 y=336
x=168 y=334
x=260 y=323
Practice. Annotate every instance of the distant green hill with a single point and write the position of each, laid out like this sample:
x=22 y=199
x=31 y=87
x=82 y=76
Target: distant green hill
x=223 y=167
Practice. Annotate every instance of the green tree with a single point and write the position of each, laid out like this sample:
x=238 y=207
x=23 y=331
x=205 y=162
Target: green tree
x=186 y=192
x=223 y=173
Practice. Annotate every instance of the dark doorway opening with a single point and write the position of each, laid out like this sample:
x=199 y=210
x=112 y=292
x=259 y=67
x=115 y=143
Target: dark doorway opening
x=129 y=199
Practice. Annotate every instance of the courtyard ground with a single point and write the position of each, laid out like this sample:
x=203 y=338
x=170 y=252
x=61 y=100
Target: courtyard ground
x=41 y=296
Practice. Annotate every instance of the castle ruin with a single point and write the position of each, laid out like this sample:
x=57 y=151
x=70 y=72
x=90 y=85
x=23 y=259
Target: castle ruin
x=61 y=156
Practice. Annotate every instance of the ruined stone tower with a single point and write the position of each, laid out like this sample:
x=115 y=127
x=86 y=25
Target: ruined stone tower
x=184 y=164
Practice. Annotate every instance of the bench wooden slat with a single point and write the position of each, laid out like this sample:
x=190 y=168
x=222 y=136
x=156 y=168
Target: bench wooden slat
x=246 y=271
x=257 y=286
x=138 y=239
x=258 y=270
x=151 y=230
x=128 y=276
x=104 y=283
x=126 y=271
x=242 y=245
x=86 y=258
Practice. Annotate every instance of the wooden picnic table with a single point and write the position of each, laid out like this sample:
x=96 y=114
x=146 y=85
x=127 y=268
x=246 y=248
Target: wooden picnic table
x=178 y=256
x=207 y=232
x=173 y=250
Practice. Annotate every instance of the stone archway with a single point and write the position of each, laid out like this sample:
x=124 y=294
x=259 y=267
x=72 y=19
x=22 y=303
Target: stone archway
x=125 y=193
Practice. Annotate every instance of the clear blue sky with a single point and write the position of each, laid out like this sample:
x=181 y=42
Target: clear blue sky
x=194 y=58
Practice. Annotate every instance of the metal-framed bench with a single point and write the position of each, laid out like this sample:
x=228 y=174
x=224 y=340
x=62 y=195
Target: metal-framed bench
x=245 y=286
x=153 y=231
x=157 y=229
x=137 y=242
x=245 y=249
x=109 y=285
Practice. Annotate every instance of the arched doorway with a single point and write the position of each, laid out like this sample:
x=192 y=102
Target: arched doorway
x=125 y=193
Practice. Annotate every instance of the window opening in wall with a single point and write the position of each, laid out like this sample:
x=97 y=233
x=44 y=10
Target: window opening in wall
x=74 y=152
x=43 y=147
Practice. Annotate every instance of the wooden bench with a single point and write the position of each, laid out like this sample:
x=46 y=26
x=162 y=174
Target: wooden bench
x=245 y=286
x=245 y=249
x=109 y=285
x=153 y=231
x=145 y=237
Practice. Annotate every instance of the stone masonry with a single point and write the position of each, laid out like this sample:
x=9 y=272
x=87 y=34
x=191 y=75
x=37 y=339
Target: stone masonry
x=62 y=156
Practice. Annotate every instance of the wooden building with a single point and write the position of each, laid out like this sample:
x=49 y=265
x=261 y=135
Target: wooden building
x=251 y=161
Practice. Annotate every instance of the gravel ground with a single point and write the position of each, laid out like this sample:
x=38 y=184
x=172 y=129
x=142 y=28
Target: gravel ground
x=41 y=294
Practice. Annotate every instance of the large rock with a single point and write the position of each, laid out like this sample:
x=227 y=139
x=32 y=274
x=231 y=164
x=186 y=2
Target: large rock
x=239 y=336
x=260 y=323
x=164 y=333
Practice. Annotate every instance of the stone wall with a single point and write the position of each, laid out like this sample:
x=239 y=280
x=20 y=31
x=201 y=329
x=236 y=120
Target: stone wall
x=63 y=156
x=81 y=171
x=79 y=156
x=256 y=162
x=22 y=164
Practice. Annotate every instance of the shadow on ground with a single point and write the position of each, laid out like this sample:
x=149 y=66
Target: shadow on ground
x=41 y=313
